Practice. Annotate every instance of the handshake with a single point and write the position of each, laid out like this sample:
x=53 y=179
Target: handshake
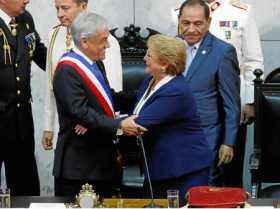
x=127 y=126
x=130 y=128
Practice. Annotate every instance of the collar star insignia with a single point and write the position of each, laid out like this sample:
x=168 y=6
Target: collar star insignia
x=239 y=4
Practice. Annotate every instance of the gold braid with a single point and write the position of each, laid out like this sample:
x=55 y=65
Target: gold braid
x=50 y=55
x=6 y=47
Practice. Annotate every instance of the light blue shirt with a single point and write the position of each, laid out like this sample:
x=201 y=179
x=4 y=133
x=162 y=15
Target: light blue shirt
x=191 y=52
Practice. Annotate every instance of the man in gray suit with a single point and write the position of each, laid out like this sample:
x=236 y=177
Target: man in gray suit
x=213 y=75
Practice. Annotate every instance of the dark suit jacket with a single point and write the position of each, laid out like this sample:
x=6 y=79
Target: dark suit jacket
x=15 y=98
x=175 y=143
x=91 y=156
x=213 y=77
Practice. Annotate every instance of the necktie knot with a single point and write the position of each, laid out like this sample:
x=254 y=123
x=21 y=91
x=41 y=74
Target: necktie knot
x=68 y=41
x=13 y=26
x=192 y=51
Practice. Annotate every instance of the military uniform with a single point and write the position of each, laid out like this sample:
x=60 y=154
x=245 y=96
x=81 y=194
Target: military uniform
x=16 y=123
x=233 y=22
x=59 y=43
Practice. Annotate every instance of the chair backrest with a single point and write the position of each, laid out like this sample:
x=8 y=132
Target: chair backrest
x=266 y=150
x=273 y=77
x=133 y=76
x=133 y=49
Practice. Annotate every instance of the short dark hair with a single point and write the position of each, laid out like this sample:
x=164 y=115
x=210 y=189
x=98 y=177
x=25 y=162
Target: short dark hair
x=202 y=3
x=81 y=1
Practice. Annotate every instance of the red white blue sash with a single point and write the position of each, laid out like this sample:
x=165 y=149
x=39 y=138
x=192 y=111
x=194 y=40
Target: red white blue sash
x=92 y=77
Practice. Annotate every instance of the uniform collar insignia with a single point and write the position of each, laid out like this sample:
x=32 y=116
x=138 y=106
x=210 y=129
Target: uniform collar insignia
x=57 y=26
x=238 y=4
x=214 y=5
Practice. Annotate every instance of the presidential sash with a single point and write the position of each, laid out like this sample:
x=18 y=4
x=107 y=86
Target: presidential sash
x=92 y=77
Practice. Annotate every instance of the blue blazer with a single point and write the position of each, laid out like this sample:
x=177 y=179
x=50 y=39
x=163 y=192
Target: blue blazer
x=213 y=77
x=175 y=143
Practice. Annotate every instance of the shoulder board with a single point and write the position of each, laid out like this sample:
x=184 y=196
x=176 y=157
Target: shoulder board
x=238 y=4
x=57 y=26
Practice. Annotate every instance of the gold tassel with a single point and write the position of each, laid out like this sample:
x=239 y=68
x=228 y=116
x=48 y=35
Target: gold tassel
x=68 y=41
x=6 y=47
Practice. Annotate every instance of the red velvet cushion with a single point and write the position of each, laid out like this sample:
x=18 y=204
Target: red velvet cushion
x=216 y=197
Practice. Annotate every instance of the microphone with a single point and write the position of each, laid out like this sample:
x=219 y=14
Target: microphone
x=152 y=203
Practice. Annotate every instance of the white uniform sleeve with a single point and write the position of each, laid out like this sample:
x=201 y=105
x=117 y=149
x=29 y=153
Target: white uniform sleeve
x=49 y=103
x=252 y=55
x=113 y=64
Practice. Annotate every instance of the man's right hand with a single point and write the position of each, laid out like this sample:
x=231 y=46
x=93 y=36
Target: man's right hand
x=130 y=128
x=47 y=140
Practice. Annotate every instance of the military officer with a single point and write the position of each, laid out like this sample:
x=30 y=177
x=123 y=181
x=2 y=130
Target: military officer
x=20 y=44
x=233 y=22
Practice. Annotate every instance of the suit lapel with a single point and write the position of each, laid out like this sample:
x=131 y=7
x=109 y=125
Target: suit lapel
x=101 y=67
x=201 y=55
x=162 y=88
x=8 y=34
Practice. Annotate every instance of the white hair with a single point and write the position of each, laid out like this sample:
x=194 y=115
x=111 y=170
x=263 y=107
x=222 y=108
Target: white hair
x=85 y=26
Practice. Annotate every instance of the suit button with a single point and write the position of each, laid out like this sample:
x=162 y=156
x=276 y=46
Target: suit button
x=16 y=65
x=18 y=105
x=18 y=78
x=18 y=92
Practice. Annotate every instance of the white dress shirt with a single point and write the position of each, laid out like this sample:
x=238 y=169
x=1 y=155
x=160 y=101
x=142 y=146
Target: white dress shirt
x=6 y=18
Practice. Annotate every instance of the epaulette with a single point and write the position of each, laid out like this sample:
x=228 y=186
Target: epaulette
x=54 y=27
x=239 y=4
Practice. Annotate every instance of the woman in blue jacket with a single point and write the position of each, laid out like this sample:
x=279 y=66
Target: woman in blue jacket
x=177 y=151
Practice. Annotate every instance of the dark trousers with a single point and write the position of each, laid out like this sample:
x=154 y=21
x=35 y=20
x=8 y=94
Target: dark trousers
x=233 y=172
x=68 y=187
x=183 y=184
x=20 y=168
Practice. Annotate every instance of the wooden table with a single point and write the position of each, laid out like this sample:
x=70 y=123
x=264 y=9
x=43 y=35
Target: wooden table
x=133 y=203
x=24 y=201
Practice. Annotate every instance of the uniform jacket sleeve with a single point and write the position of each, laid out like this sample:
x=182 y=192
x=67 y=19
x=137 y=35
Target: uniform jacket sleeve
x=49 y=103
x=49 y=109
x=113 y=64
x=40 y=53
x=253 y=57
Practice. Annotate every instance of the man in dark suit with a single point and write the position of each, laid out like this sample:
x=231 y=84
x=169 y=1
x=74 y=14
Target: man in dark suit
x=83 y=96
x=213 y=75
x=19 y=45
